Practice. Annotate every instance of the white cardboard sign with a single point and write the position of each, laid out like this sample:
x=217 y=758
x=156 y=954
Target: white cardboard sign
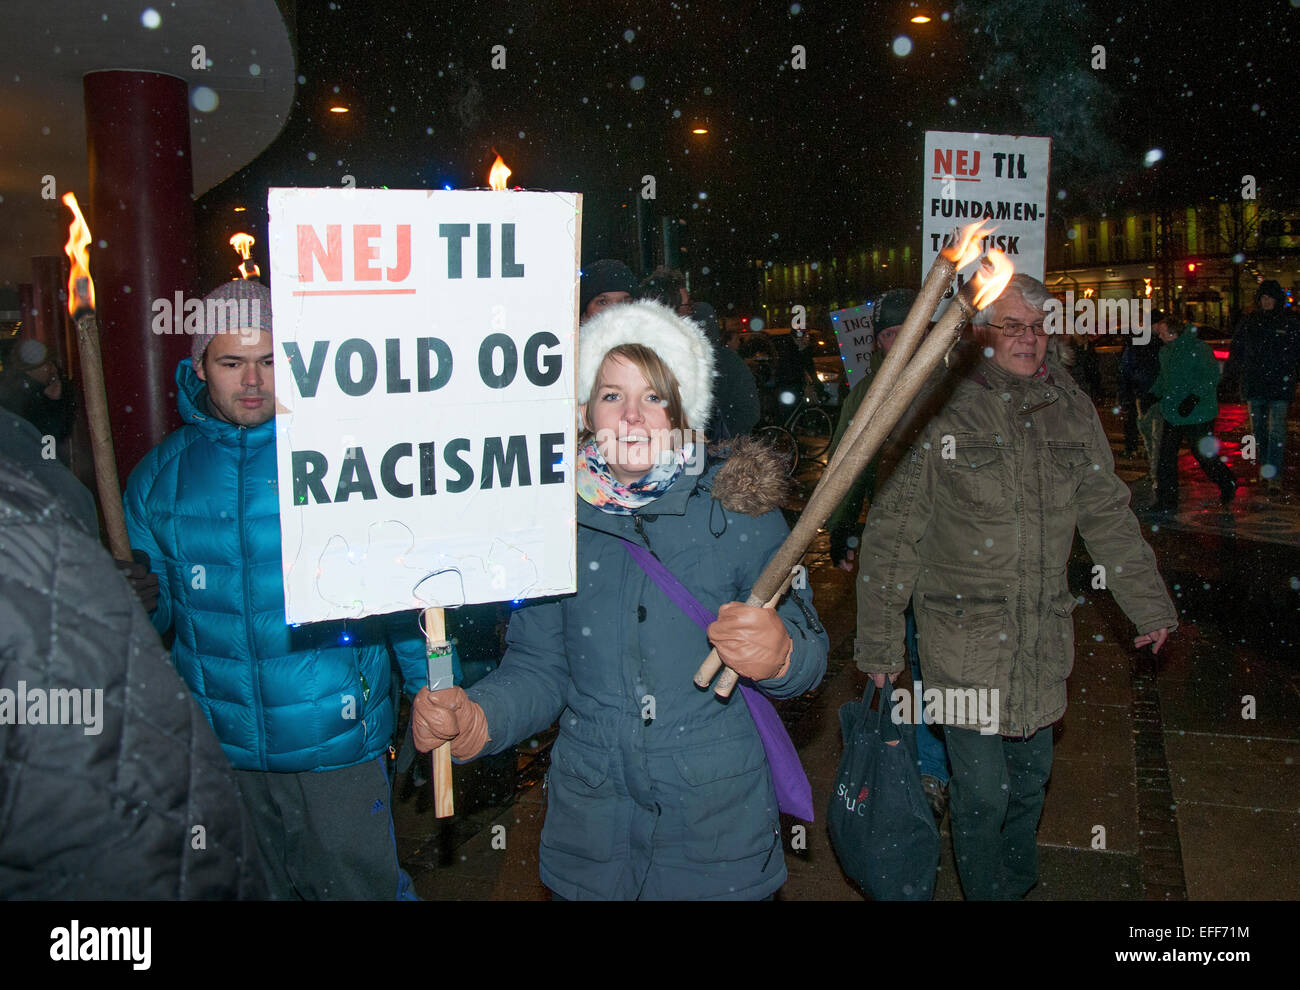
x=425 y=412
x=1000 y=179
x=855 y=332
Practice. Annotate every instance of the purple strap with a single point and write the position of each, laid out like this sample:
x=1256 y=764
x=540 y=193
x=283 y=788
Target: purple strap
x=793 y=792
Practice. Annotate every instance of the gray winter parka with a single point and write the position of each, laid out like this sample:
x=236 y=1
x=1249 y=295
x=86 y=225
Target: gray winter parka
x=656 y=790
x=976 y=526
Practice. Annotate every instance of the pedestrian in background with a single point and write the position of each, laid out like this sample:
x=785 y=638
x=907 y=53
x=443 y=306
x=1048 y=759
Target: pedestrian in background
x=607 y=282
x=1188 y=386
x=1265 y=354
x=1139 y=366
x=32 y=387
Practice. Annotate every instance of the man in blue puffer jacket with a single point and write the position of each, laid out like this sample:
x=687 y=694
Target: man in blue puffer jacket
x=304 y=713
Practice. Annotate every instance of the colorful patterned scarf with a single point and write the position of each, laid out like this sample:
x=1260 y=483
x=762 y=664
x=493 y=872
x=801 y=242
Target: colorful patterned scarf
x=598 y=487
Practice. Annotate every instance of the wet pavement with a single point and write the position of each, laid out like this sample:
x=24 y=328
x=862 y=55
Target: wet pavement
x=1175 y=777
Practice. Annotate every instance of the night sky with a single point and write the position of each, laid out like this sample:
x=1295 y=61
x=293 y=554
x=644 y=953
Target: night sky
x=799 y=163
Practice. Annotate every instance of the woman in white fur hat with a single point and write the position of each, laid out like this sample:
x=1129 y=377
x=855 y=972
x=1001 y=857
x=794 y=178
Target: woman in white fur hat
x=657 y=790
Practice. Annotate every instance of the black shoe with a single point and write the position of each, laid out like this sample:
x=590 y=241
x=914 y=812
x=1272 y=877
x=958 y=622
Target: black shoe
x=937 y=794
x=1226 y=495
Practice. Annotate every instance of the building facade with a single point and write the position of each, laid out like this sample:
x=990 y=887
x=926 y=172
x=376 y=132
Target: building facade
x=1207 y=259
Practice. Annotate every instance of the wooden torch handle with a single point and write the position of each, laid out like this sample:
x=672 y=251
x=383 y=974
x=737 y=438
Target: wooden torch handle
x=444 y=805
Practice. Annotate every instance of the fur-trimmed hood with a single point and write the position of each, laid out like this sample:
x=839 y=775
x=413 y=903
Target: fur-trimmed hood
x=752 y=480
x=680 y=344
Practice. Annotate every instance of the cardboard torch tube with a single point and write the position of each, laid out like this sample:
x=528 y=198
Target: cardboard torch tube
x=909 y=338
x=101 y=435
x=839 y=476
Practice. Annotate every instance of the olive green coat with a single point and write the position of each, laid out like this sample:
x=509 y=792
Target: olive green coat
x=977 y=524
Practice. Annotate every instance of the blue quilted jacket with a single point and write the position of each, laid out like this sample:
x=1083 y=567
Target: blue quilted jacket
x=316 y=696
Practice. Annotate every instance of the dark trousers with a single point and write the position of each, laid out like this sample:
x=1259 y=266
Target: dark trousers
x=996 y=799
x=326 y=835
x=1130 y=426
x=1196 y=436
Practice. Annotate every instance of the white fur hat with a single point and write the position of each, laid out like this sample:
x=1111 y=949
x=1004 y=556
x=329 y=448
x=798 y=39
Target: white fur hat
x=680 y=344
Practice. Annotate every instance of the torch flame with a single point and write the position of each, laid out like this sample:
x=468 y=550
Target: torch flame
x=497 y=177
x=965 y=249
x=243 y=244
x=81 y=289
x=995 y=272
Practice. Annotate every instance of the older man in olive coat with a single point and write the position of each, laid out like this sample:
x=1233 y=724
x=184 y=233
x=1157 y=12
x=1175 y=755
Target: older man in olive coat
x=976 y=526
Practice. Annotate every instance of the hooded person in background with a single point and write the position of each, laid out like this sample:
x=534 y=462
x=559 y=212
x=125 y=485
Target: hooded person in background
x=604 y=283
x=1265 y=353
x=656 y=791
x=304 y=714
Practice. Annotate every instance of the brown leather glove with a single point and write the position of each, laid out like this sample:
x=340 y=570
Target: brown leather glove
x=448 y=716
x=752 y=641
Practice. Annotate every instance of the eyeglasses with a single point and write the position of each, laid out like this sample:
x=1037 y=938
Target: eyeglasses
x=1014 y=328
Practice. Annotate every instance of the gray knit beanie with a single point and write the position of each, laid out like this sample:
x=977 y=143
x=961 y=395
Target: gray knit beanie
x=242 y=306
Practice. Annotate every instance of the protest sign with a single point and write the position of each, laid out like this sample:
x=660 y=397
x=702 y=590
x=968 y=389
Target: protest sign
x=425 y=413
x=1000 y=179
x=855 y=332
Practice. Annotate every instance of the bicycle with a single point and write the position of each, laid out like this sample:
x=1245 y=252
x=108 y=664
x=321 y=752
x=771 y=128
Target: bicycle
x=806 y=432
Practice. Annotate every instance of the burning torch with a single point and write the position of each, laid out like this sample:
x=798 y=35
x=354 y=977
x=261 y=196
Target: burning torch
x=895 y=386
x=243 y=245
x=81 y=306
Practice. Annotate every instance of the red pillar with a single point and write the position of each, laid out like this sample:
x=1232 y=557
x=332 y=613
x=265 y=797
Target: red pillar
x=142 y=211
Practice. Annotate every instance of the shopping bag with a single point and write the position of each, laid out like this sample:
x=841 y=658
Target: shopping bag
x=880 y=822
